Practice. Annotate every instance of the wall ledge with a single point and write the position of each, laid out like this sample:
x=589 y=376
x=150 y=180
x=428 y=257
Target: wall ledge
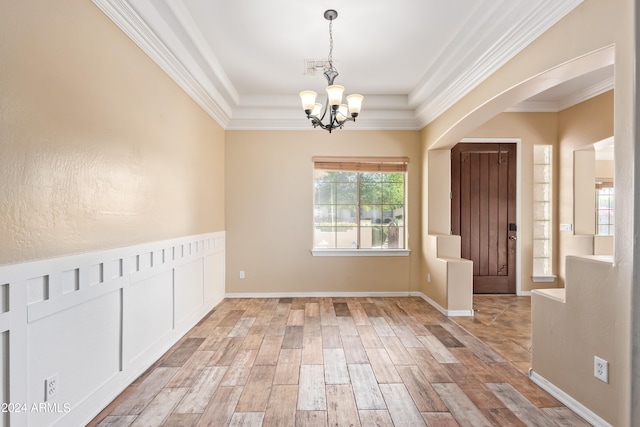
x=544 y=279
x=567 y=400
x=597 y=259
x=556 y=294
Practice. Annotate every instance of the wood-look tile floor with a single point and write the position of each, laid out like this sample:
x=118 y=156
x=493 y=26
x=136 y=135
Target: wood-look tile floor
x=345 y=362
x=504 y=323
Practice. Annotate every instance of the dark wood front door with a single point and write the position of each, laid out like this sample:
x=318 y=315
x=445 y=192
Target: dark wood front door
x=483 y=212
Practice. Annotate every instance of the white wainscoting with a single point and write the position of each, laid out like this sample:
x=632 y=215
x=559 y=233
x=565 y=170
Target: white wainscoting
x=97 y=321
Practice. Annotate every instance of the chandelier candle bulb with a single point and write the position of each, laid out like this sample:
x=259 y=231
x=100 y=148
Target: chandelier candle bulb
x=317 y=110
x=335 y=94
x=308 y=98
x=355 y=104
x=343 y=113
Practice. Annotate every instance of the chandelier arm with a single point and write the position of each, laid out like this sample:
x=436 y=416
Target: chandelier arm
x=326 y=108
x=316 y=122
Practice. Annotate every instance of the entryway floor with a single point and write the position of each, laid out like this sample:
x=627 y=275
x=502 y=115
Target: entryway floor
x=504 y=323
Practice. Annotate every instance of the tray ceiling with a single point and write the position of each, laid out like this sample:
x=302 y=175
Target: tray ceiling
x=244 y=61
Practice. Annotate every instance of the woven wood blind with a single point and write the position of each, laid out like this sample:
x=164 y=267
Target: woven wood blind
x=360 y=164
x=603 y=183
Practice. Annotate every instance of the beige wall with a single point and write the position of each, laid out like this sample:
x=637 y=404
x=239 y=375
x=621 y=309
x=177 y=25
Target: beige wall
x=98 y=147
x=605 y=168
x=568 y=357
x=269 y=213
x=581 y=41
x=579 y=127
x=574 y=128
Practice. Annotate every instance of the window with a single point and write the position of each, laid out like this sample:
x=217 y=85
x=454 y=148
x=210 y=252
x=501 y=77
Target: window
x=359 y=204
x=542 y=212
x=604 y=208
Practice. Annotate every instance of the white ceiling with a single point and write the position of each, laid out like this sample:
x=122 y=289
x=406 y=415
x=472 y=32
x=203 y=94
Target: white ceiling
x=243 y=60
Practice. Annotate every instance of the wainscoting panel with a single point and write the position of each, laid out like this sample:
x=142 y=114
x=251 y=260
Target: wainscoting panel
x=149 y=313
x=92 y=323
x=81 y=345
x=189 y=292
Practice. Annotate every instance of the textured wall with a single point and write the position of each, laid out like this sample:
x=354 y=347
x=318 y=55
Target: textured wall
x=98 y=147
x=579 y=127
x=269 y=213
x=582 y=40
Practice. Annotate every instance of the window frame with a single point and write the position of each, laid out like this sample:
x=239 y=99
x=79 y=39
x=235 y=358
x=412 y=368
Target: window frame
x=543 y=177
x=362 y=164
x=605 y=184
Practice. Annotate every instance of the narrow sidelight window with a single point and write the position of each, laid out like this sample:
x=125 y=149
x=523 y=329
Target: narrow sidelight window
x=542 y=210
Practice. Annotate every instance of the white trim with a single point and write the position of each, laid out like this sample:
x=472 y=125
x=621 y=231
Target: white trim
x=448 y=313
x=360 y=252
x=518 y=142
x=523 y=293
x=567 y=400
x=177 y=281
x=544 y=279
x=319 y=295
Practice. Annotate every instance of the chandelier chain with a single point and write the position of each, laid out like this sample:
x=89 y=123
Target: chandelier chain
x=331 y=43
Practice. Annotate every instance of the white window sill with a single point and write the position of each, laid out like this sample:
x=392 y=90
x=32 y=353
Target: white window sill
x=544 y=279
x=360 y=252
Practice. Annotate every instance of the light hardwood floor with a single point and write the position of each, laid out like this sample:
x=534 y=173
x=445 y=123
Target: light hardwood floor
x=345 y=362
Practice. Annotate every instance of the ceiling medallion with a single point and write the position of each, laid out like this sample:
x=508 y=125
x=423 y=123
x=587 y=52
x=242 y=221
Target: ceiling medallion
x=339 y=113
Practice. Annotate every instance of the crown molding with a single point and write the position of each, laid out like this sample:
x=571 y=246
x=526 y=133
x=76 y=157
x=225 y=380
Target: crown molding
x=130 y=22
x=383 y=112
x=188 y=60
x=301 y=124
x=521 y=34
x=291 y=118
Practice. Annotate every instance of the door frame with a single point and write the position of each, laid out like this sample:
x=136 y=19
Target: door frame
x=518 y=143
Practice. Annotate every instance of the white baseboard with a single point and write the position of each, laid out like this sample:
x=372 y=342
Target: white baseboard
x=448 y=313
x=567 y=400
x=318 y=295
x=444 y=311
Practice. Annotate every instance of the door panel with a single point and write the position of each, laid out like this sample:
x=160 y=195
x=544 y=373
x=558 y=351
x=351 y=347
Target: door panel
x=483 y=206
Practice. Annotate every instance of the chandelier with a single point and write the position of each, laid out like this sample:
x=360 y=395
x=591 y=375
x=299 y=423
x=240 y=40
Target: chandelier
x=339 y=113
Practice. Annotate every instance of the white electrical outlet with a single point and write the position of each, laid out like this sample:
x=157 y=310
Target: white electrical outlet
x=428 y=277
x=50 y=387
x=601 y=369
x=242 y=274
